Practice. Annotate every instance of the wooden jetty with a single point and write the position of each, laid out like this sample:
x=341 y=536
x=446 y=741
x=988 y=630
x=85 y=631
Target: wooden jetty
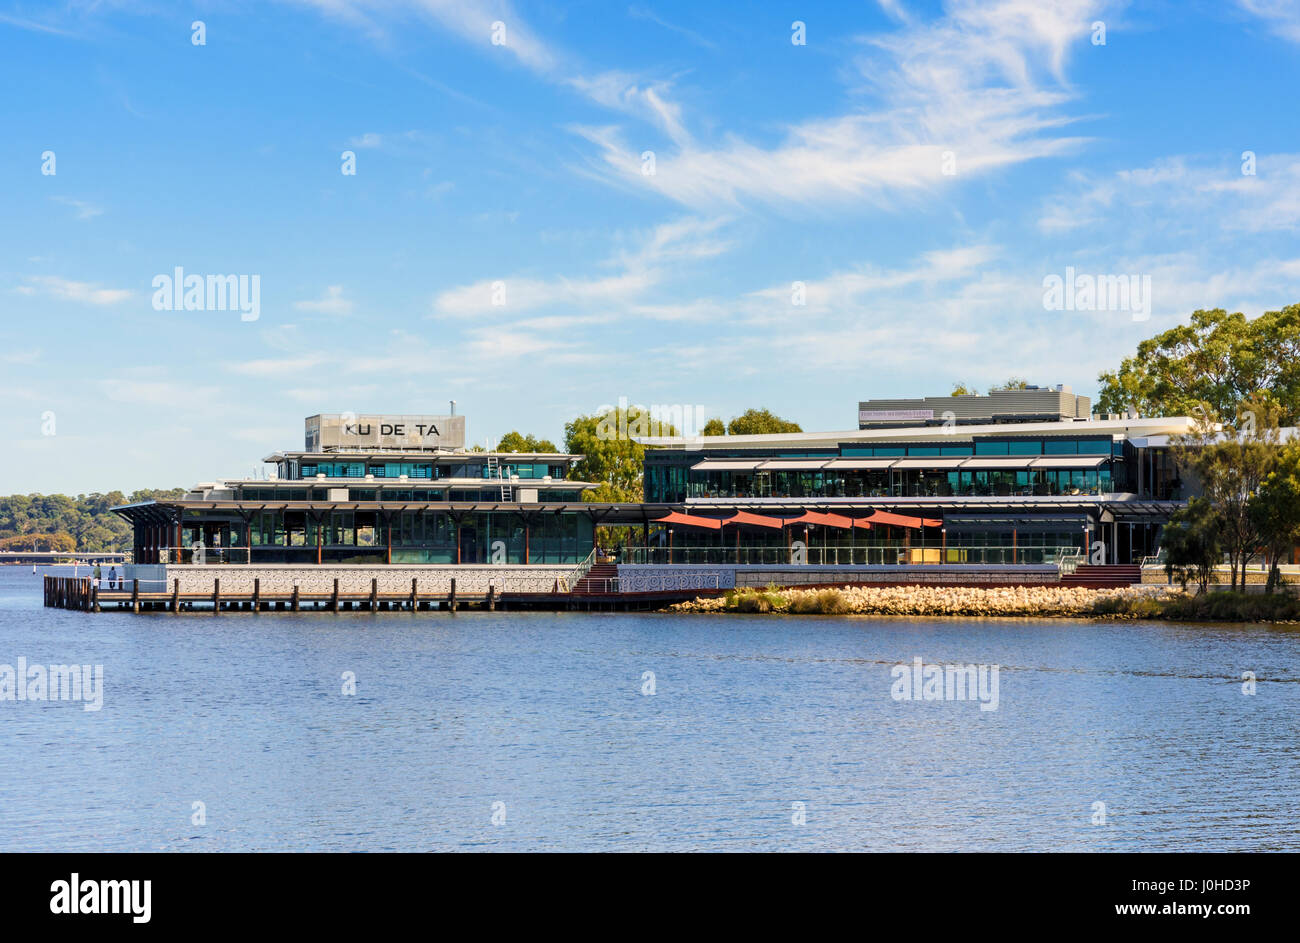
x=82 y=595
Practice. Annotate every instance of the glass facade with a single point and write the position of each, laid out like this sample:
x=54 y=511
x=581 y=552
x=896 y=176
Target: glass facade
x=669 y=478
x=429 y=470
x=275 y=535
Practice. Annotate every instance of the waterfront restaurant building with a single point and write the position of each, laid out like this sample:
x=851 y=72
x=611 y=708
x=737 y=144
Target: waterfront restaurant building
x=1016 y=477
x=377 y=489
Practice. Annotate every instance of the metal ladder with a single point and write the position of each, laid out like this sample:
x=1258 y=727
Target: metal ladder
x=494 y=471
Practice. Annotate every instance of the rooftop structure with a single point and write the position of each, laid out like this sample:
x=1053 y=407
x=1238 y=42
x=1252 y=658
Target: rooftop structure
x=1031 y=404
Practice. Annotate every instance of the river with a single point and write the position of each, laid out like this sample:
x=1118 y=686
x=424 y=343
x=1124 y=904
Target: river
x=595 y=732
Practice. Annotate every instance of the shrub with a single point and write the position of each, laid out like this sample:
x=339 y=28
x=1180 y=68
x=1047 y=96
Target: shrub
x=823 y=601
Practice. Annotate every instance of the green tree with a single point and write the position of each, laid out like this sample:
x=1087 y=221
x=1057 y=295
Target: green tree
x=1218 y=358
x=513 y=441
x=611 y=456
x=1191 y=543
x=1012 y=383
x=1275 y=511
x=760 y=422
x=714 y=427
x=1232 y=460
x=86 y=519
x=962 y=388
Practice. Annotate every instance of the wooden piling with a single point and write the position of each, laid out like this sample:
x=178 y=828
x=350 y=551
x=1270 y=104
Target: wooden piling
x=451 y=600
x=334 y=599
x=374 y=594
x=176 y=595
x=257 y=594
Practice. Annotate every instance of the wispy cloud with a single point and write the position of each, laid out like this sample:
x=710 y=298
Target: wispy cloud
x=636 y=271
x=1182 y=192
x=332 y=302
x=84 y=210
x=1283 y=16
x=978 y=89
x=639 y=12
x=67 y=290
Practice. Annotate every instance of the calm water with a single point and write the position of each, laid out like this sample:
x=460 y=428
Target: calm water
x=544 y=713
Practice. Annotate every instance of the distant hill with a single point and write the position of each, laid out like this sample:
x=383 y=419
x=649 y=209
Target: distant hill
x=86 y=519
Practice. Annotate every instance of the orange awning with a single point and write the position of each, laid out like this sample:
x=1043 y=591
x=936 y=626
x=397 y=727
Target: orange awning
x=755 y=520
x=688 y=520
x=825 y=520
x=899 y=520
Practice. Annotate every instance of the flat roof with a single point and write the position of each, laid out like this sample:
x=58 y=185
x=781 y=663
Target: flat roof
x=412 y=455
x=1124 y=428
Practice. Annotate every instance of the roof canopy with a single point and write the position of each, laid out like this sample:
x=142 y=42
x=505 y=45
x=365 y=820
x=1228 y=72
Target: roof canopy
x=898 y=520
x=825 y=520
x=755 y=520
x=690 y=520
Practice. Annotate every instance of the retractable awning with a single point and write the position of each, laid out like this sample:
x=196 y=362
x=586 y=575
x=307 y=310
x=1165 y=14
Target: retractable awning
x=824 y=520
x=754 y=520
x=1071 y=461
x=860 y=464
x=793 y=464
x=993 y=462
x=726 y=464
x=929 y=463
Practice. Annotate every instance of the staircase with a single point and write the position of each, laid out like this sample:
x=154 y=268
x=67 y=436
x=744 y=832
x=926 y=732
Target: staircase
x=600 y=580
x=1107 y=576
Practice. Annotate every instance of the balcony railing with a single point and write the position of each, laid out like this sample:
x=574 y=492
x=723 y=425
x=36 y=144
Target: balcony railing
x=847 y=556
x=203 y=555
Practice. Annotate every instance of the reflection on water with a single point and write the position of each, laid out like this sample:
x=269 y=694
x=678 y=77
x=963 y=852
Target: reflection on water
x=539 y=720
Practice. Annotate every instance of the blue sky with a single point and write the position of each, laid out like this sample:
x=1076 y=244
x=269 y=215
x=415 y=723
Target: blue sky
x=919 y=167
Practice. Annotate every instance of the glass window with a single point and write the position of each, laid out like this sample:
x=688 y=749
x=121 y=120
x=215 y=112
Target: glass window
x=1061 y=446
x=991 y=448
x=1025 y=447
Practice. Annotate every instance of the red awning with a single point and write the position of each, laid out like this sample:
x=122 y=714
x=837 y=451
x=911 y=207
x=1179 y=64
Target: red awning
x=825 y=520
x=899 y=520
x=687 y=520
x=755 y=520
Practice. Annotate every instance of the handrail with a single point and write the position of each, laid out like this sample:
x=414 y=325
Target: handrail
x=569 y=582
x=1068 y=561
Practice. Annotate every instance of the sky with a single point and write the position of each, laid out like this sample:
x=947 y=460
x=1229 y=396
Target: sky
x=554 y=207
